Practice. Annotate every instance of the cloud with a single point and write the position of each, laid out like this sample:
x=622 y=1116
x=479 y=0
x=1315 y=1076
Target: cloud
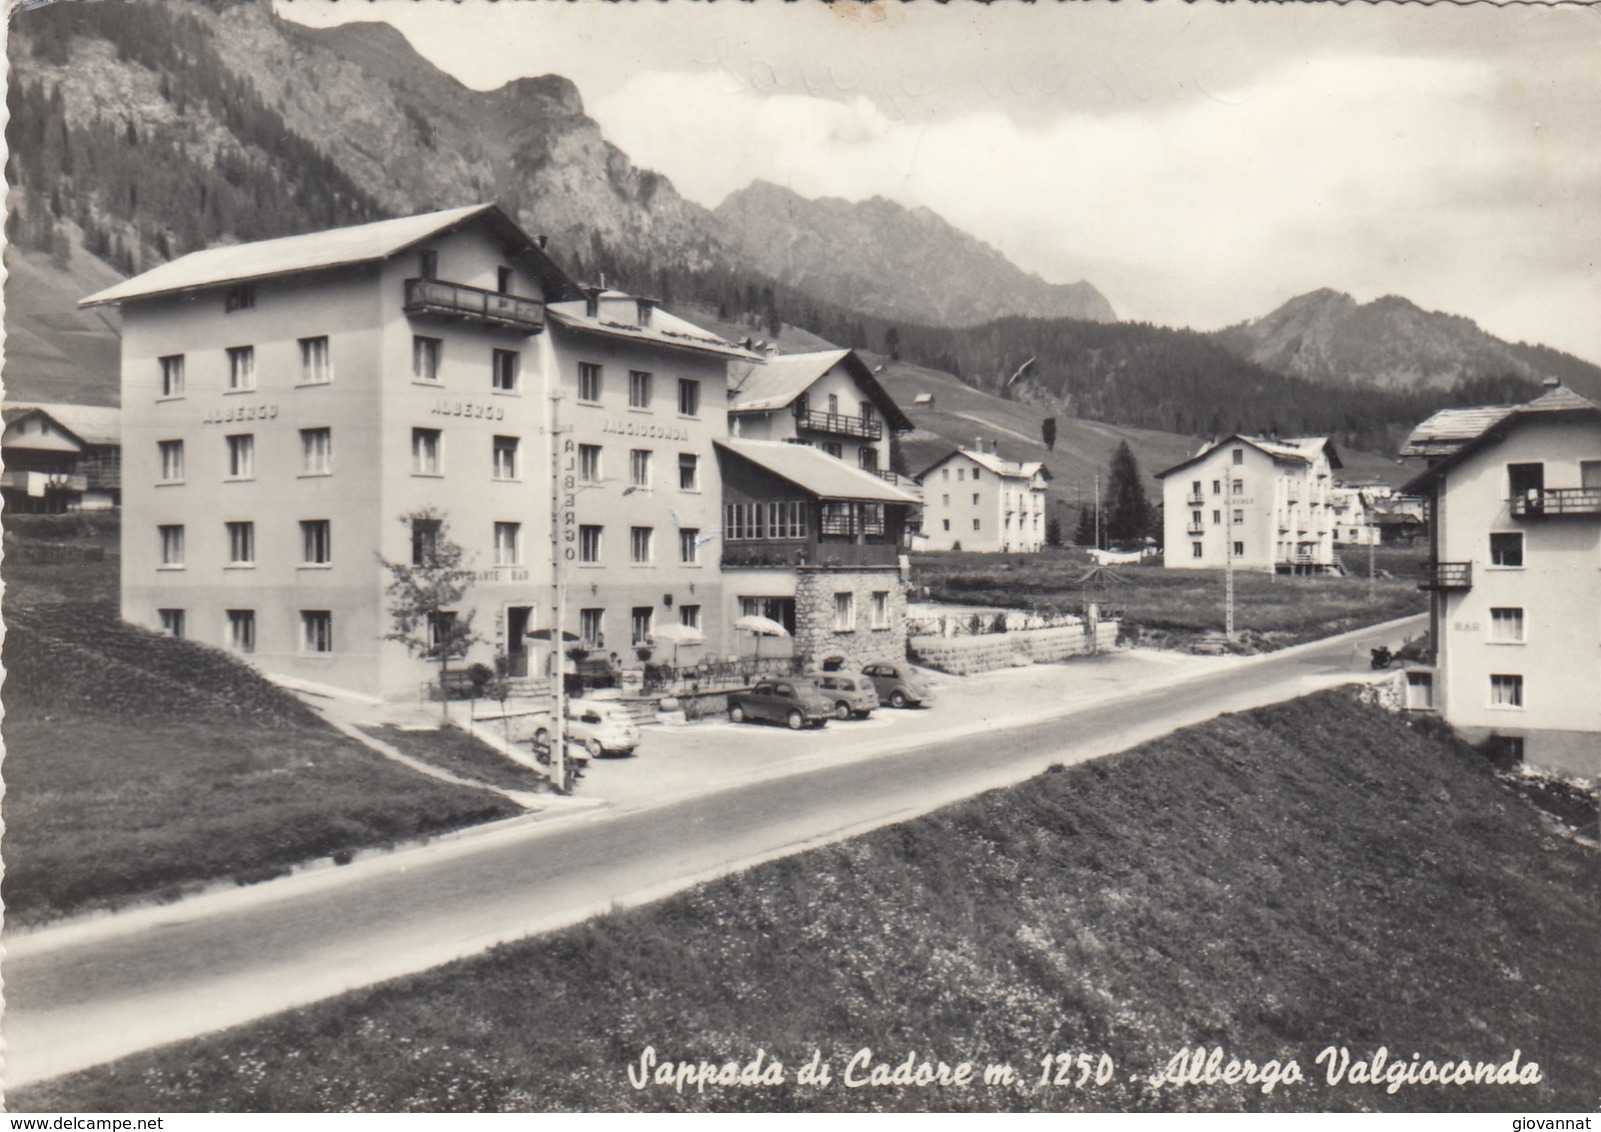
x=1435 y=178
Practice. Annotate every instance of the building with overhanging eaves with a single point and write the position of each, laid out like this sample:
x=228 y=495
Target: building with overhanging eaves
x=297 y=408
x=829 y=400
x=1514 y=575
x=61 y=456
x=815 y=544
x=1264 y=503
x=975 y=500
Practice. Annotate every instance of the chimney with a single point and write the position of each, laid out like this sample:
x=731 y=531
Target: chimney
x=644 y=306
x=591 y=300
x=1551 y=382
x=543 y=240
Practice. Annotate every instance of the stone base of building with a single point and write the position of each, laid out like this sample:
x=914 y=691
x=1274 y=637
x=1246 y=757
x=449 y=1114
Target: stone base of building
x=874 y=634
x=1575 y=753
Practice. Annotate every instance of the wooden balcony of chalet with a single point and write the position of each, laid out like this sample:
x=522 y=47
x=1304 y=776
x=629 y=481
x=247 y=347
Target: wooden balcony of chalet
x=839 y=424
x=1555 y=502
x=1446 y=576
x=441 y=299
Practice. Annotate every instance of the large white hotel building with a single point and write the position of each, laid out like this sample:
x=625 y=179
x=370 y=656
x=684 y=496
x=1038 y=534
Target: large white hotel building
x=295 y=408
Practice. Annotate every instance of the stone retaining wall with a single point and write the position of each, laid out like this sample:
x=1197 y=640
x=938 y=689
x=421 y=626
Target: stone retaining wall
x=963 y=656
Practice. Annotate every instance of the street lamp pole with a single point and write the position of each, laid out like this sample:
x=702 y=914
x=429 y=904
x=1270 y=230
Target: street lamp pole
x=562 y=476
x=1228 y=578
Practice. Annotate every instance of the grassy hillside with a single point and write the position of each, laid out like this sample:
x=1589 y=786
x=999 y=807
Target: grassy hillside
x=138 y=766
x=1313 y=874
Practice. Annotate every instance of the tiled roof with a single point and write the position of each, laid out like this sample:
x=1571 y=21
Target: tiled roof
x=664 y=329
x=1449 y=429
x=1303 y=449
x=93 y=424
x=337 y=247
x=777 y=384
x=824 y=476
x=1007 y=469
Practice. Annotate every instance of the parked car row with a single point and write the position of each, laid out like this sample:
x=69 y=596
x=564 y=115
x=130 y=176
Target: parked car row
x=810 y=701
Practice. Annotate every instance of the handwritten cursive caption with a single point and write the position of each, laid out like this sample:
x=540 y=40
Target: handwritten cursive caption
x=1336 y=1066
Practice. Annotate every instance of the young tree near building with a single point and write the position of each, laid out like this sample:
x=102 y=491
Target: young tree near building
x=1053 y=532
x=1048 y=433
x=1128 y=511
x=425 y=597
x=892 y=344
x=1084 y=534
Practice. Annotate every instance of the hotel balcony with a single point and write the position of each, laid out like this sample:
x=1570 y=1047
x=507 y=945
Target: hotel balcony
x=1195 y=499
x=768 y=555
x=1447 y=576
x=1547 y=502
x=840 y=424
x=1196 y=528
x=490 y=308
x=18 y=479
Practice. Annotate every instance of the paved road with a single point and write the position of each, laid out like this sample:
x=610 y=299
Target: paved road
x=96 y=990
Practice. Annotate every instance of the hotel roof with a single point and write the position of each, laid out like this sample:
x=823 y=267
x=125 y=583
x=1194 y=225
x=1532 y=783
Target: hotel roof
x=315 y=251
x=1009 y=469
x=1296 y=449
x=820 y=474
x=785 y=377
x=664 y=330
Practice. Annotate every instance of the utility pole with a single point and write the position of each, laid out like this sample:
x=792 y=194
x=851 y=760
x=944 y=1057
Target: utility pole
x=562 y=533
x=1228 y=578
x=1098 y=545
x=1373 y=574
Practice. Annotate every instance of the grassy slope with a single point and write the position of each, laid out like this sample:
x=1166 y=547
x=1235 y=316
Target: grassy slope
x=138 y=766
x=54 y=352
x=1310 y=874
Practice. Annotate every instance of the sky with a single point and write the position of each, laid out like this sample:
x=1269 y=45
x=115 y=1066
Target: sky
x=1198 y=163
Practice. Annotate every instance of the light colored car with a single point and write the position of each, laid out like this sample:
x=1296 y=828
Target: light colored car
x=601 y=728
x=794 y=701
x=898 y=685
x=852 y=692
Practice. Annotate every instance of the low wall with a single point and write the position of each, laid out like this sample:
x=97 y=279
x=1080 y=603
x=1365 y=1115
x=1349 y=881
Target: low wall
x=963 y=656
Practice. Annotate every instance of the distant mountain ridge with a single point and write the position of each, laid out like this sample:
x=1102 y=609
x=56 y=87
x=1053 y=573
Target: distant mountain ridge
x=1327 y=336
x=898 y=262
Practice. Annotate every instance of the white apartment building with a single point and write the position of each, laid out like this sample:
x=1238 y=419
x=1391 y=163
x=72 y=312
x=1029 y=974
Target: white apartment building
x=1514 y=578
x=1351 y=517
x=1264 y=503
x=974 y=500
x=293 y=409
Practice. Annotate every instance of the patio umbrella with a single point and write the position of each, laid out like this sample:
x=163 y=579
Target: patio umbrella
x=762 y=627
x=678 y=635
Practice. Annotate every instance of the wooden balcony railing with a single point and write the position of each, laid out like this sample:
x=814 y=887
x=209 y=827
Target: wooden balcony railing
x=1447 y=576
x=1540 y=503
x=457 y=300
x=840 y=424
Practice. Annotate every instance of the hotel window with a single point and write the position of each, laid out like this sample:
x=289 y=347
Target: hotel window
x=315 y=367
x=641 y=543
x=425 y=358
x=638 y=389
x=1506 y=691
x=242 y=630
x=689 y=545
x=1217 y=487
x=975 y=474
x=844 y=613
x=1195 y=518
x=172 y=622
x=1217 y=518
x=1239 y=487
x=834 y=449
x=589 y=383
x=508 y=544
x=946 y=524
x=589 y=463
x=961 y=474
x=688 y=397
x=316 y=630
x=689 y=616
x=428 y=267
x=503 y=280
x=867 y=458
x=589 y=544
x=688 y=471
x=424 y=541
x=172 y=375
x=640 y=625
x=1506 y=549
x=505 y=370
x=171 y=460
x=1195 y=550
x=1195 y=488
x=241 y=456
x=505 y=457
x=316 y=451
x=975 y=499
x=171 y=544
x=1506 y=625
x=976 y=525
x=881 y=609
x=592 y=628
x=241 y=367
x=441 y=632
x=833 y=404
x=316 y=542
x=945 y=500
x=1239 y=550
x=242 y=544
x=1239 y=516
x=239 y=297
x=1239 y=456
x=944 y=473
x=639 y=467
x=425 y=444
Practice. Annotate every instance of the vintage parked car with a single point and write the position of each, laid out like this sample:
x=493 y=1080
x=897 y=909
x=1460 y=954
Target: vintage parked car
x=852 y=692
x=794 y=701
x=898 y=685
x=599 y=727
